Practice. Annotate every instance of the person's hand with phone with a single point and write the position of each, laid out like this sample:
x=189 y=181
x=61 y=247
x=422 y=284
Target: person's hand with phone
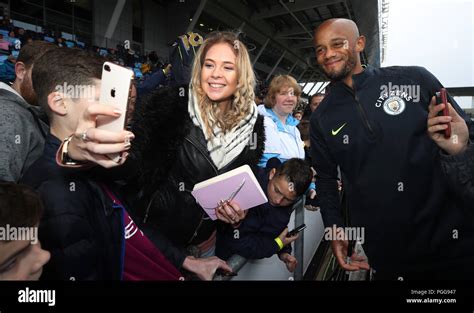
x=340 y=250
x=437 y=124
x=289 y=260
x=92 y=144
x=230 y=212
x=205 y=268
x=287 y=240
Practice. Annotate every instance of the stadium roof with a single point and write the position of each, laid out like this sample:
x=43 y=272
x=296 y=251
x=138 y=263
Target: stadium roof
x=279 y=33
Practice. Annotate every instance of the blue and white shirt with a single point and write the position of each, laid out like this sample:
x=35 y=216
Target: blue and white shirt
x=282 y=141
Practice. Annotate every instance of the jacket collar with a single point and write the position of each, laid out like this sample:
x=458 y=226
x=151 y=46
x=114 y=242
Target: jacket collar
x=51 y=146
x=359 y=80
x=8 y=93
x=290 y=120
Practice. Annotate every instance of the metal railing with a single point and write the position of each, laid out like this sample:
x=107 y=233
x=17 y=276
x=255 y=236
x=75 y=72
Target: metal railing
x=237 y=262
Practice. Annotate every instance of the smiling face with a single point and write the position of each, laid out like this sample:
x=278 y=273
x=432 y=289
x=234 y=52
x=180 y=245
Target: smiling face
x=285 y=101
x=338 y=45
x=219 y=73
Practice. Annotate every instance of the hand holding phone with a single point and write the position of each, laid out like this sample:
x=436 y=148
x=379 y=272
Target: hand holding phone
x=442 y=97
x=296 y=230
x=116 y=84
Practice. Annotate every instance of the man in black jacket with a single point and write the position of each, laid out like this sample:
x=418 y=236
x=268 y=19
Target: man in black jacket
x=373 y=125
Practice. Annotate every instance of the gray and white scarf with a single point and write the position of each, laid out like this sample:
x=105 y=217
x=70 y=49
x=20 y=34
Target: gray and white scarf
x=223 y=148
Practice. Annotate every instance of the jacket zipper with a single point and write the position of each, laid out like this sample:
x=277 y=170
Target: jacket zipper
x=217 y=173
x=360 y=108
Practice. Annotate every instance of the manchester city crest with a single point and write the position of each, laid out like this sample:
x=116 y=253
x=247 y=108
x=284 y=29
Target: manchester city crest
x=394 y=105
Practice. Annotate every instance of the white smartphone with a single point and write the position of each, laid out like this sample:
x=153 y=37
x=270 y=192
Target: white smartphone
x=115 y=90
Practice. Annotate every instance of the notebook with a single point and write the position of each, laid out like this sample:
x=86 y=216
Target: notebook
x=239 y=184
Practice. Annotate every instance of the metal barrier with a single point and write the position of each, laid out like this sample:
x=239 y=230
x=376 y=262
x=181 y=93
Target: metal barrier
x=236 y=262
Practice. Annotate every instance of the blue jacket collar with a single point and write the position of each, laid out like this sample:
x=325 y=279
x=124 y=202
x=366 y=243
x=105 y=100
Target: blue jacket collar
x=290 y=120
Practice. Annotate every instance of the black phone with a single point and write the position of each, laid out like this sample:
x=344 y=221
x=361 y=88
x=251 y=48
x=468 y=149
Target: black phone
x=222 y=272
x=296 y=230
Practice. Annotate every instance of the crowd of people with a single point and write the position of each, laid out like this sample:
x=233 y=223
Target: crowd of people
x=13 y=38
x=136 y=219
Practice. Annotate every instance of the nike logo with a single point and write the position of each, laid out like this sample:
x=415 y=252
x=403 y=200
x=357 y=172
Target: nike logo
x=335 y=132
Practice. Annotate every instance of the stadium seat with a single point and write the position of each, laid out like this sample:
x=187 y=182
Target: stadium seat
x=138 y=73
x=49 y=39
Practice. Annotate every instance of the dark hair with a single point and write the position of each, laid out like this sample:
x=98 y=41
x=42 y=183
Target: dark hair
x=72 y=66
x=319 y=94
x=298 y=173
x=31 y=52
x=20 y=206
x=303 y=127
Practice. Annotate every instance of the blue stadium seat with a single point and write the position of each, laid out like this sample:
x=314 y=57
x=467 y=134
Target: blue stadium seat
x=138 y=73
x=48 y=39
x=70 y=44
x=4 y=32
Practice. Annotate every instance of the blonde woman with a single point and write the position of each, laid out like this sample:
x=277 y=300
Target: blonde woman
x=183 y=136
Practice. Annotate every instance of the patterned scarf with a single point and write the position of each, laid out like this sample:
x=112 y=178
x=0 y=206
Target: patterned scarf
x=223 y=148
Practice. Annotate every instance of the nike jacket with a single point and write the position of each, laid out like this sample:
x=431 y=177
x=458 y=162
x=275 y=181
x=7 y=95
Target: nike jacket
x=376 y=132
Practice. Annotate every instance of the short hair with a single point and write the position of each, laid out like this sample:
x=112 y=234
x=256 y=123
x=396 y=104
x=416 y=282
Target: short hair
x=20 y=205
x=64 y=65
x=303 y=127
x=277 y=83
x=31 y=52
x=298 y=173
x=318 y=94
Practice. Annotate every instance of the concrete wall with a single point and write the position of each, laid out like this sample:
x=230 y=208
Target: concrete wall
x=102 y=13
x=154 y=28
x=161 y=25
